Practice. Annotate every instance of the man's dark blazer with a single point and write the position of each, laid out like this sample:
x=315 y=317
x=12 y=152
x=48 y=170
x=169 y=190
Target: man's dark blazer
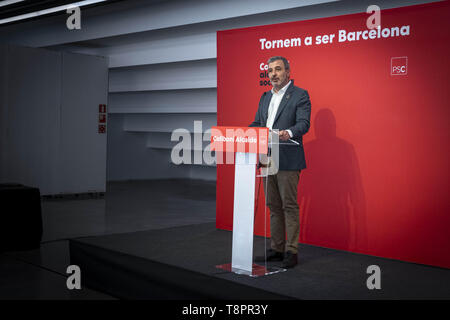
x=294 y=113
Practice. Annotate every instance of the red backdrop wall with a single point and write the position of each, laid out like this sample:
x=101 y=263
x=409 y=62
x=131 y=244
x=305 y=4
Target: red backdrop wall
x=377 y=177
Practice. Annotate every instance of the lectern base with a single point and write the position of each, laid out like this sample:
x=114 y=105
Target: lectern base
x=257 y=270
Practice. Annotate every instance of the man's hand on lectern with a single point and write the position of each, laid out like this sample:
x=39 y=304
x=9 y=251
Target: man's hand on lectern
x=284 y=135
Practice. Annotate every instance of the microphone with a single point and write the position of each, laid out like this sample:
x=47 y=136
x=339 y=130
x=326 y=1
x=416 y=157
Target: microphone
x=288 y=139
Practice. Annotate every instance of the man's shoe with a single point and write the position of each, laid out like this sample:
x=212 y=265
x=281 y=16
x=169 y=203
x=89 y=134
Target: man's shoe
x=290 y=260
x=271 y=255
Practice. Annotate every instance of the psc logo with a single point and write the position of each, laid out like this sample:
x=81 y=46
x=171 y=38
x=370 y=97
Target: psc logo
x=399 y=66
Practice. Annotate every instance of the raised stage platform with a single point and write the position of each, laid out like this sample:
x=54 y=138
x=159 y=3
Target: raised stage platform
x=179 y=263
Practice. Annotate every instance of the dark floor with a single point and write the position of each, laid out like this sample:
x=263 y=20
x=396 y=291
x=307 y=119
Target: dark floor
x=126 y=207
x=322 y=274
x=149 y=205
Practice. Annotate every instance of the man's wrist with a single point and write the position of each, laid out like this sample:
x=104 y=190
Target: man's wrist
x=290 y=133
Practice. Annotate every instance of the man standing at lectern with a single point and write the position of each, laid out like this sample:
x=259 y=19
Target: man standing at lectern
x=287 y=108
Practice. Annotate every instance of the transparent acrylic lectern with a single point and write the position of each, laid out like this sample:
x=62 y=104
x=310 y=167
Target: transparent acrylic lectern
x=248 y=168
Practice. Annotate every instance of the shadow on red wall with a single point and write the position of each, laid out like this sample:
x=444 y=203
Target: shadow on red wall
x=331 y=195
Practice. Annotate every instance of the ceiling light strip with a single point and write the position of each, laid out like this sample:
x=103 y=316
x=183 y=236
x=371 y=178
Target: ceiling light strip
x=8 y=2
x=50 y=10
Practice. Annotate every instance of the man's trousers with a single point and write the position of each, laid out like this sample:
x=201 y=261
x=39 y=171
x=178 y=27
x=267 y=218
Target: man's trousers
x=281 y=199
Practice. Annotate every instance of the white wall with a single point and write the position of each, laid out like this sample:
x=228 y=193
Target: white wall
x=32 y=112
x=82 y=149
x=163 y=66
x=3 y=110
x=49 y=135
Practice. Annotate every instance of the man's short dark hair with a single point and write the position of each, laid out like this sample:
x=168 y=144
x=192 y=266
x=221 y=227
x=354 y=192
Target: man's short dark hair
x=286 y=63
